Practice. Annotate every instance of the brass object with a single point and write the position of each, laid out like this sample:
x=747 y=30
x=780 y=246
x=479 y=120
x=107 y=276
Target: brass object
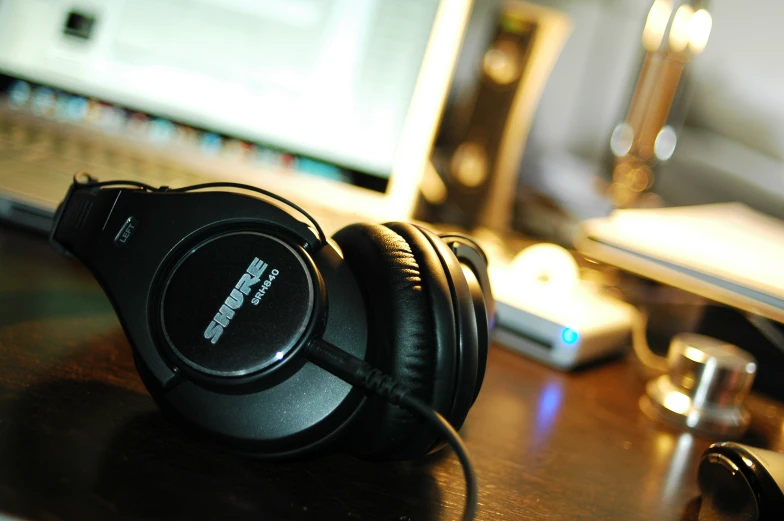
x=674 y=33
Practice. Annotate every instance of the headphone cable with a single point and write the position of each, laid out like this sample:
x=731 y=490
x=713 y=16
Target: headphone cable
x=359 y=373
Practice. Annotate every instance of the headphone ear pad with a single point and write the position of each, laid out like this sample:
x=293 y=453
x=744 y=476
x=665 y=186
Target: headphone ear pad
x=455 y=322
x=400 y=333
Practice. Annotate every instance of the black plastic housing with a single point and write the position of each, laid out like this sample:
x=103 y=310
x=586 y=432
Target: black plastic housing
x=287 y=410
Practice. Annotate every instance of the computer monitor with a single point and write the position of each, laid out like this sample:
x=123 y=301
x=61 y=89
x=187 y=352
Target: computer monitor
x=356 y=85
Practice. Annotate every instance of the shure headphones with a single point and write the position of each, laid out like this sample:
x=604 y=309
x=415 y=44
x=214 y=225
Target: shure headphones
x=221 y=294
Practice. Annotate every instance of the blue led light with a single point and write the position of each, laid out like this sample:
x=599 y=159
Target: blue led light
x=570 y=336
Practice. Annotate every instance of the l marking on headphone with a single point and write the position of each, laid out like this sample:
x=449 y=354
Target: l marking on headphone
x=127 y=229
x=236 y=298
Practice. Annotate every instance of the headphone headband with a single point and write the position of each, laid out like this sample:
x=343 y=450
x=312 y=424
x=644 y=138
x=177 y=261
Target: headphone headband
x=73 y=214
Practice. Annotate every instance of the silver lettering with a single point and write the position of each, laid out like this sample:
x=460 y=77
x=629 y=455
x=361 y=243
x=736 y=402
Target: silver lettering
x=257 y=267
x=235 y=299
x=226 y=311
x=213 y=332
x=222 y=319
x=246 y=282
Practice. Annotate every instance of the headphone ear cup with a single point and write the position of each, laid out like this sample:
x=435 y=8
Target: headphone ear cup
x=463 y=350
x=400 y=335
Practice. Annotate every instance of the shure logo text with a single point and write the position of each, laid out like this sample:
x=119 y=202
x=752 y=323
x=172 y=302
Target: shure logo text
x=234 y=301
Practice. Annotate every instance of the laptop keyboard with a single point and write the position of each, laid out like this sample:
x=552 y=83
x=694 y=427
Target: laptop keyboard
x=36 y=160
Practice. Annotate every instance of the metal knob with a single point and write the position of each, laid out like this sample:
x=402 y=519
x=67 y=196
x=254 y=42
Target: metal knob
x=705 y=387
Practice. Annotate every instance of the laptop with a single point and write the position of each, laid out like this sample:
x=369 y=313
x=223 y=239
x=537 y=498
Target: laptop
x=332 y=104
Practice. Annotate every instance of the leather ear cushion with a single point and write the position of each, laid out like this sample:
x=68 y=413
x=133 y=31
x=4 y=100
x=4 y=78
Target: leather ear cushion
x=400 y=330
x=460 y=348
x=468 y=344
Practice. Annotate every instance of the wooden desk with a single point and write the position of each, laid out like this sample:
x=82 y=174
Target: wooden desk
x=80 y=439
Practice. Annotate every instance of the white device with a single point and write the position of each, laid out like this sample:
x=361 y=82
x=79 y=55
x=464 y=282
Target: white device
x=359 y=86
x=545 y=312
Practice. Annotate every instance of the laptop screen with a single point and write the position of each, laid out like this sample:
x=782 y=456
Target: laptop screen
x=327 y=79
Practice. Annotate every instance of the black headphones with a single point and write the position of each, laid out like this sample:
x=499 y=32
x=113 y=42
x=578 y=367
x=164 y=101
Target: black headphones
x=220 y=294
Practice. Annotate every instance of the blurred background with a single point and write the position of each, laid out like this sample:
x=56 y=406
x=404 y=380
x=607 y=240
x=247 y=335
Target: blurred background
x=553 y=111
x=719 y=103
x=518 y=121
